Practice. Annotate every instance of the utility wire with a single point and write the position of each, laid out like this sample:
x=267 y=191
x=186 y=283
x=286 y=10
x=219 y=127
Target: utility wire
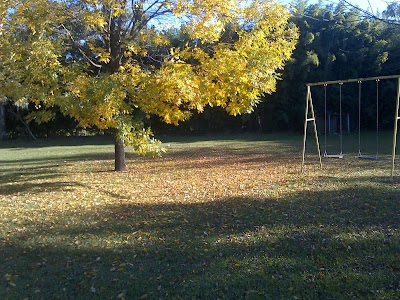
x=371 y=14
x=367 y=14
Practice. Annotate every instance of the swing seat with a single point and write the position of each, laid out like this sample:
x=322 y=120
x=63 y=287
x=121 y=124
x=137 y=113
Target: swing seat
x=370 y=157
x=333 y=155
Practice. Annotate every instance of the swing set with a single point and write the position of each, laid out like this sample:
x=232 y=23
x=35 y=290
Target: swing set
x=310 y=117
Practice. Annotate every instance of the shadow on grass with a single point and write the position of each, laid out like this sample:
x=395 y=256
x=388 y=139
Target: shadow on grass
x=32 y=175
x=60 y=160
x=44 y=164
x=53 y=142
x=33 y=188
x=313 y=245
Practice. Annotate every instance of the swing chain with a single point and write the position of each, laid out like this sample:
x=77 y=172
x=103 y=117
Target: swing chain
x=340 y=118
x=359 y=118
x=360 y=155
x=325 y=142
x=377 y=117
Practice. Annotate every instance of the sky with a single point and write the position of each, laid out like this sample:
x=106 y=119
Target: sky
x=364 y=4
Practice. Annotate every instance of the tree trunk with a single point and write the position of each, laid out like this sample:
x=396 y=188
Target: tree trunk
x=3 y=132
x=18 y=116
x=120 y=163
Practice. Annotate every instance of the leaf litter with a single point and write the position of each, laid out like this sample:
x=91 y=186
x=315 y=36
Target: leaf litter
x=235 y=215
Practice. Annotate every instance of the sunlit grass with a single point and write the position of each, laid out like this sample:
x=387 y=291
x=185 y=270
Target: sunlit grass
x=227 y=218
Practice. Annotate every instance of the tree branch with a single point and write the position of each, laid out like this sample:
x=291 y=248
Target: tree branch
x=137 y=22
x=79 y=48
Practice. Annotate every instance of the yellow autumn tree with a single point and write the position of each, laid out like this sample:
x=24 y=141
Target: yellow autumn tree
x=109 y=63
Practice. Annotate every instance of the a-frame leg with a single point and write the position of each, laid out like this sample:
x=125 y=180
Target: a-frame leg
x=310 y=108
x=396 y=121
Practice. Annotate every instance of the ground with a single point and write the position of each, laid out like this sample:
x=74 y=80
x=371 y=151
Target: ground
x=215 y=218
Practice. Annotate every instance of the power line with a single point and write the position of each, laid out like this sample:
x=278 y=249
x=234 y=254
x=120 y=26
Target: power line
x=367 y=14
x=371 y=14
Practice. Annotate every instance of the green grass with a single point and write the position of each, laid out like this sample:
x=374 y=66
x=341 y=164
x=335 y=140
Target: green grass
x=215 y=218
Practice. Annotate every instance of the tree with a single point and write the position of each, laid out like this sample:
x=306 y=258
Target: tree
x=336 y=42
x=112 y=63
x=392 y=13
x=3 y=132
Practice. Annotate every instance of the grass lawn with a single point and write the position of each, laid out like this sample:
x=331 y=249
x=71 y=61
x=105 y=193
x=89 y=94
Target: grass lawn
x=215 y=218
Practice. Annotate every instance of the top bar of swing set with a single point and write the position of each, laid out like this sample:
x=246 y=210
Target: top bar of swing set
x=353 y=80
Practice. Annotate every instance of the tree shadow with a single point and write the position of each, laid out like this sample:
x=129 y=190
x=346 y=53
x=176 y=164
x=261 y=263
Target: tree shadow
x=53 y=142
x=219 y=156
x=36 y=176
x=34 y=188
x=60 y=160
x=310 y=245
x=186 y=158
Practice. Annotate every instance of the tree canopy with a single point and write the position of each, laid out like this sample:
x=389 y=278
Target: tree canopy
x=113 y=63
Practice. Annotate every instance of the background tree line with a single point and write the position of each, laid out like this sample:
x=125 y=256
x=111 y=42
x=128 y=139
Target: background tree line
x=336 y=42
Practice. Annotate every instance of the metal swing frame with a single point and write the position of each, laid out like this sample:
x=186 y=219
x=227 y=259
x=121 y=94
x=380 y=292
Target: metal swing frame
x=310 y=110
